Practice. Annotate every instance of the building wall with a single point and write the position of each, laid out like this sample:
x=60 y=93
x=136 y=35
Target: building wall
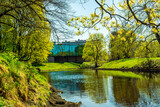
x=66 y=47
x=62 y=59
x=51 y=59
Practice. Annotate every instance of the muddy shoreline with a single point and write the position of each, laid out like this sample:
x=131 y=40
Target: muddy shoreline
x=55 y=100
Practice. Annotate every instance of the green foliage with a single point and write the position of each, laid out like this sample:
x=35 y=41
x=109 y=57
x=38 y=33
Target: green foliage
x=146 y=49
x=95 y=49
x=122 y=45
x=19 y=83
x=2 y=102
x=90 y=64
x=79 y=49
x=87 y=65
x=27 y=34
x=149 y=64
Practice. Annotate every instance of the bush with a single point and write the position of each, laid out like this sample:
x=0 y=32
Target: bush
x=87 y=65
x=149 y=64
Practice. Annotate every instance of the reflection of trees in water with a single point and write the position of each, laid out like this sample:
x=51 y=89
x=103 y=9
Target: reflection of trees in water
x=150 y=89
x=125 y=91
x=97 y=86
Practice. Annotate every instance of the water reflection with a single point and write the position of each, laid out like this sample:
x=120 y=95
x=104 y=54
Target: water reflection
x=125 y=91
x=96 y=86
x=98 y=89
x=150 y=91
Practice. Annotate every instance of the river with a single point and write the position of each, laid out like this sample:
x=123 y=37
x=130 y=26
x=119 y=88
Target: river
x=100 y=89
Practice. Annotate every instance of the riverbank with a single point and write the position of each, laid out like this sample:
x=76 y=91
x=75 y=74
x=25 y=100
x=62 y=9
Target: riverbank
x=21 y=85
x=56 y=100
x=132 y=64
x=48 y=67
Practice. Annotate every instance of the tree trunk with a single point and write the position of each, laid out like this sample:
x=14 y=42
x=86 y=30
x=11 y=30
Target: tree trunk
x=0 y=42
x=96 y=65
x=158 y=37
x=0 y=39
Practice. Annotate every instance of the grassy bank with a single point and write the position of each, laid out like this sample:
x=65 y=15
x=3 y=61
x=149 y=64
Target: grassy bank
x=21 y=85
x=127 y=63
x=57 y=66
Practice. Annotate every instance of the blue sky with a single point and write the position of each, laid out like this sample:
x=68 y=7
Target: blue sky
x=85 y=10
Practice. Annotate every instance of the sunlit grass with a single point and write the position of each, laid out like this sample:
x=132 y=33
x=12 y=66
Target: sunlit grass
x=126 y=63
x=58 y=66
x=121 y=74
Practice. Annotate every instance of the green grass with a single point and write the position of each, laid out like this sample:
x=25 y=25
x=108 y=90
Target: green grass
x=126 y=63
x=87 y=65
x=20 y=83
x=121 y=74
x=58 y=66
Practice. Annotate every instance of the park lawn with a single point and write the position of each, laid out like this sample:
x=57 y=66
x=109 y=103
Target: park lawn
x=58 y=66
x=126 y=63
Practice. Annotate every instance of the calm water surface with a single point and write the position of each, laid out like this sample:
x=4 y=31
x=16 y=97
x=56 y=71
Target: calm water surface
x=96 y=89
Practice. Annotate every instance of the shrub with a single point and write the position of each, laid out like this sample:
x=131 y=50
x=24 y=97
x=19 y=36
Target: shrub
x=149 y=64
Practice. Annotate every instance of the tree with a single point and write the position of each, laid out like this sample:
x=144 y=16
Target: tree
x=146 y=49
x=28 y=38
x=95 y=49
x=122 y=45
x=79 y=50
x=56 y=12
x=144 y=15
x=26 y=26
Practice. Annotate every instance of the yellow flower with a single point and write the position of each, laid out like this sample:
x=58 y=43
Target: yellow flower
x=128 y=25
x=119 y=25
x=108 y=28
x=154 y=30
x=136 y=35
x=123 y=39
x=112 y=37
x=69 y=24
x=141 y=36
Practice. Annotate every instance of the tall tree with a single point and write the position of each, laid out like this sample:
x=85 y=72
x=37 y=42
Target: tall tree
x=95 y=49
x=26 y=26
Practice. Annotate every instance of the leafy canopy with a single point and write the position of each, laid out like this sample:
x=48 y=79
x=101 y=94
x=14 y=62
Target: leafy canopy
x=95 y=49
x=142 y=16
